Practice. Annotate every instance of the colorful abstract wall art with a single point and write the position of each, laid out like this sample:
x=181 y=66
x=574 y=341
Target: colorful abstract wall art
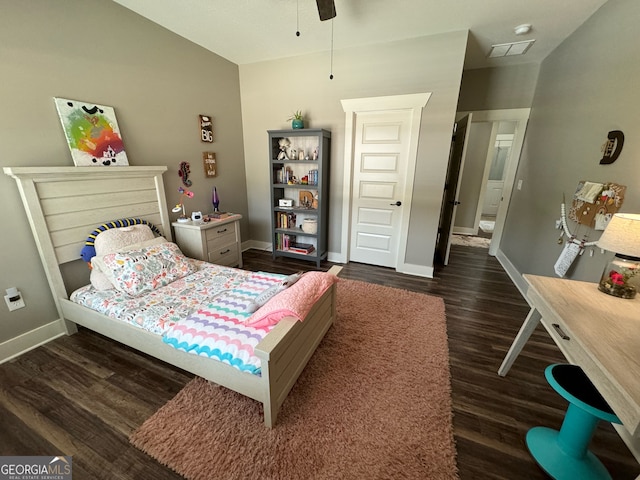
x=92 y=133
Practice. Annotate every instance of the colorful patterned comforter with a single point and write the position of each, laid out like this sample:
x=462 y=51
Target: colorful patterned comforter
x=202 y=313
x=218 y=329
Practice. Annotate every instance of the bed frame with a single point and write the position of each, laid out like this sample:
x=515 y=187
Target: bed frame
x=64 y=204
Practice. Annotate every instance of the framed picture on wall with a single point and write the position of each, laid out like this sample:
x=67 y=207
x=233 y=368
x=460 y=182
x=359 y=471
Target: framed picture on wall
x=92 y=133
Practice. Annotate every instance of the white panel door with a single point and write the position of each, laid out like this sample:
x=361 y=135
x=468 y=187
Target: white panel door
x=381 y=149
x=492 y=197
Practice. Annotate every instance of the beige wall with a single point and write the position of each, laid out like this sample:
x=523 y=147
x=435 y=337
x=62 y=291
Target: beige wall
x=272 y=90
x=498 y=88
x=158 y=83
x=586 y=87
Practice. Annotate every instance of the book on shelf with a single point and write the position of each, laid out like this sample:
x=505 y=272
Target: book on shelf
x=286 y=220
x=301 y=247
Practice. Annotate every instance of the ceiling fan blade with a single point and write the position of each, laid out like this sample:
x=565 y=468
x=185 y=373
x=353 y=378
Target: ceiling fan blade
x=326 y=9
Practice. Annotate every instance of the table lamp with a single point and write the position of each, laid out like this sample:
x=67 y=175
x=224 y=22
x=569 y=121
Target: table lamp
x=621 y=276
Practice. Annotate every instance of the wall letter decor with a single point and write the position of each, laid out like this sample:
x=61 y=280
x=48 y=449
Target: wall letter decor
x=612 y=147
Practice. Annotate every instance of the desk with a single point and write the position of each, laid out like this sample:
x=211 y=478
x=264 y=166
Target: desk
x=599 y=332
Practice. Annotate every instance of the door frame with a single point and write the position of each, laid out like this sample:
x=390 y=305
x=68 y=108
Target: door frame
x=352 y=107
x=521 y=117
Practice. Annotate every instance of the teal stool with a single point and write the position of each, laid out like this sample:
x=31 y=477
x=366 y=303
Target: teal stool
x=564 y=454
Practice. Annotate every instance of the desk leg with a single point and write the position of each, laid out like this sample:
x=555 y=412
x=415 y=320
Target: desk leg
x=527 y=328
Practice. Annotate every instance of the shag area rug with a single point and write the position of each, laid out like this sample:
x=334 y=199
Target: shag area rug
x=374 y=402
x=470 y=241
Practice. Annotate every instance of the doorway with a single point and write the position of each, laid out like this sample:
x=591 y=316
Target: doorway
x=491 y=163
x=381 y=145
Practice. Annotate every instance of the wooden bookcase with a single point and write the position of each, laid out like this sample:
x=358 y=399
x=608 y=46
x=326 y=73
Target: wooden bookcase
x=304 y=183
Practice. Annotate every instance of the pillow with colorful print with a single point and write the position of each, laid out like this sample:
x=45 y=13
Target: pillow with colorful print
x=137 y=272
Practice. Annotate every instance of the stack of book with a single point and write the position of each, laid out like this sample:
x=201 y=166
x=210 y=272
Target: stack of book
x=304 y=248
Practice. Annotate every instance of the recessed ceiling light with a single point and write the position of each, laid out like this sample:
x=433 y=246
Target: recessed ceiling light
x=522 y=29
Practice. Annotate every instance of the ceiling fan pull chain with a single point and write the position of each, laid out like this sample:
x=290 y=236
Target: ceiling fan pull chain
x=331 y=66
x=297 y=18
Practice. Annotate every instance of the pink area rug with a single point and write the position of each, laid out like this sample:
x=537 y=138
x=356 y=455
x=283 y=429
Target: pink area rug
x=374 y=402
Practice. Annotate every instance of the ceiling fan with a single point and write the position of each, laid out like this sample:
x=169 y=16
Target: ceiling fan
x=326 y=9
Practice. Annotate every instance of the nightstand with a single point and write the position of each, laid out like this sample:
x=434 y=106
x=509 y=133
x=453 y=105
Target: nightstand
x=216 y=241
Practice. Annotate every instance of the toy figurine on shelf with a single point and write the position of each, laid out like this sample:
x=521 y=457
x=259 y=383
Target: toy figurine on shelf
x=283 y=144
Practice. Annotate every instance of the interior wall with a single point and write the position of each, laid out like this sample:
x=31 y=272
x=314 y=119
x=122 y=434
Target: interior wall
x=498 y=88
x=472 y=175
x=272 y=90
x=586 y=87
x=158 y=84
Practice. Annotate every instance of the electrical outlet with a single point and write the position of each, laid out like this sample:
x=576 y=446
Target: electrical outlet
x=14 y=305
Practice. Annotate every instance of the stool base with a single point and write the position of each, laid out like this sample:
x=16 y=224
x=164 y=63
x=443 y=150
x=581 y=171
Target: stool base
x=543 y=445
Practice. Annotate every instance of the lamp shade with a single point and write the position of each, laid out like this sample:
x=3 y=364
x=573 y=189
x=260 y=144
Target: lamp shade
x=622 y=235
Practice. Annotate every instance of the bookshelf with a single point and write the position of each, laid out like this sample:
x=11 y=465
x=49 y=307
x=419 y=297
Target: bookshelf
x=299 y=175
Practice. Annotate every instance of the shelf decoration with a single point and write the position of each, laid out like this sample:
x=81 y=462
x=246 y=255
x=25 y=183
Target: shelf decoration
x=209 y=163
x=297 y=122
x=215 y=200
x=206 y=128
x=92 y=133
x=283 y=146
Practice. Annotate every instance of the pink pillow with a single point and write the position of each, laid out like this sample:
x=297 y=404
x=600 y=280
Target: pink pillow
x=295 y=301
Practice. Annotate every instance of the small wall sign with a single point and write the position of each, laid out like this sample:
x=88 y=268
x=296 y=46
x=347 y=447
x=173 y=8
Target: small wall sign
x=206 y=128
x=209 y=162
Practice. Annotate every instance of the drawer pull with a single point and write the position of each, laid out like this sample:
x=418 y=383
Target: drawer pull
x=559 y=331
x=226 y=251
x=222 y=231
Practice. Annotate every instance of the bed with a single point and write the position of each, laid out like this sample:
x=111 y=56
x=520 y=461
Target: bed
x=63 y=204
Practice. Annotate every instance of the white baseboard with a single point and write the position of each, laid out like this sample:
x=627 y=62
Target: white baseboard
x=266 y=246
x=29 y=340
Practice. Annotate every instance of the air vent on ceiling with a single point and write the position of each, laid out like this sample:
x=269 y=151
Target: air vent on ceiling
x=508 y=49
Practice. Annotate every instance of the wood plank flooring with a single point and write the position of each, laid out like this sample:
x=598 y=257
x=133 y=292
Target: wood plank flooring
x=82 y=395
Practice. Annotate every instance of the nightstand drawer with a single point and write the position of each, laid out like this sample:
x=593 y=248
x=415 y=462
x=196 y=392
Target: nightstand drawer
x=217 y=241
x=225 y=255
x=221 y=236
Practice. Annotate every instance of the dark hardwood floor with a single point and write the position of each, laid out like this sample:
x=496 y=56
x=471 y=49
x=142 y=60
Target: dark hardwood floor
x=82 y=395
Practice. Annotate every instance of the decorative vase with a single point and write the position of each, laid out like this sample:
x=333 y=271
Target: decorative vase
x=297 y=123
x=621 y=277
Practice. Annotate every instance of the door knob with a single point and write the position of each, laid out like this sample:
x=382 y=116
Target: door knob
x=454 y=202
x=397 y=204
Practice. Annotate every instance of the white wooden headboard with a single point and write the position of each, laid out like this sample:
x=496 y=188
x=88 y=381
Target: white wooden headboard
x=65 y=204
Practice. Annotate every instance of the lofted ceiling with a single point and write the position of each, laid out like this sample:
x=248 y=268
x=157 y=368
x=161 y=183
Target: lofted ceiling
x=248 y=31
